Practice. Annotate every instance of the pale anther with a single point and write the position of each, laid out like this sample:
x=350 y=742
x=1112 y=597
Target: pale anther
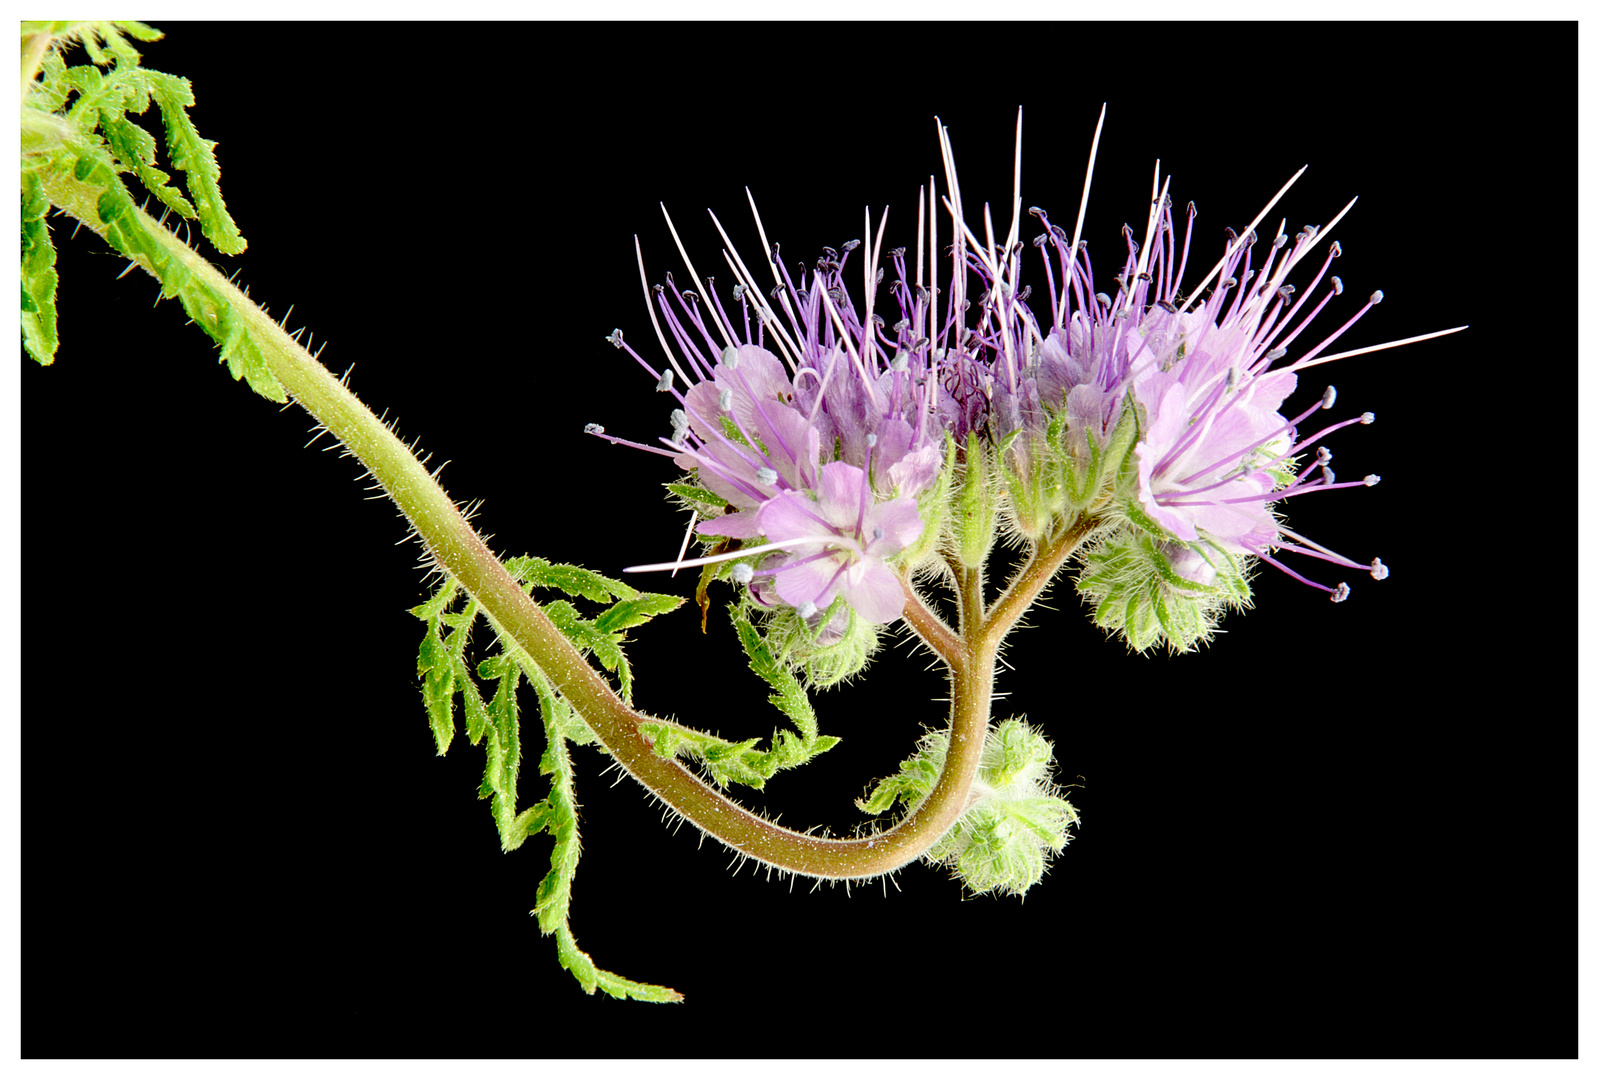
x=743 y=573
x=730 y=358
x=1328 y=396
x=593 y=429
x=1376 y=297
x=665 y=381
x=765 y=476
x=1341 y=593
x=1378 y=570
x=1371 y=479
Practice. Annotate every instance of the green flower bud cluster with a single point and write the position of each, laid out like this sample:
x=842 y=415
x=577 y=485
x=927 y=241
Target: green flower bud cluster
x=1053 y=477
x=1015 y=820
x=1144 y=589
x=831 y=648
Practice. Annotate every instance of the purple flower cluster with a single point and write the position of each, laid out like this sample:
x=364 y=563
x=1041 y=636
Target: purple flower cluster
x=817 y=430
x=1213 y=452
x=1153 y=412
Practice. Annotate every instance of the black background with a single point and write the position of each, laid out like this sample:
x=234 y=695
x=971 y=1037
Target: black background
x=1339 y=831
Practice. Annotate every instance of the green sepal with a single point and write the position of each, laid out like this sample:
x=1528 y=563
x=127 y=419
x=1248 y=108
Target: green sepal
x=1122 y=438
x=932 y=506
x=974 y=510
x=697 y=498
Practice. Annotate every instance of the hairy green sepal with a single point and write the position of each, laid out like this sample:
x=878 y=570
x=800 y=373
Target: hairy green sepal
x=1135 y=593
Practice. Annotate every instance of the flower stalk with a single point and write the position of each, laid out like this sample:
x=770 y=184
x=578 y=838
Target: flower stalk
x=459 y=551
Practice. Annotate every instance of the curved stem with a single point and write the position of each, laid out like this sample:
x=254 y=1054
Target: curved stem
x=1040 y=570
x=933 y=631
x=461 y=552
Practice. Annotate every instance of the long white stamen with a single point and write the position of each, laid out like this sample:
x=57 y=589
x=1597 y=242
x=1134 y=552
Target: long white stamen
x=1082 y=212
x=769 y=319
x=870 y=335
x=1242 y=238
x=687 y=535
x=683 y=564
x=1305 y=249
x=650 y=307
x=726 y=332
x=771 y=263
x=849 y=346
x=1373 y=348
x=1156 y=195
x=953 y=201
x=1016 y=188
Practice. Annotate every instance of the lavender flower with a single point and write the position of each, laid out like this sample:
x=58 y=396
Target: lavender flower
x=817 y=432
x=840 y=544
x=1150 y=416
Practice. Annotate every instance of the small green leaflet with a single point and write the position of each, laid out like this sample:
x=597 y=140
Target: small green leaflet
x=495 y=721
x=740 y=762
x=75 y=121
x=38 y=274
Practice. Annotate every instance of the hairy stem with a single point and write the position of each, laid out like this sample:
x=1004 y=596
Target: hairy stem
x=34 y=46
x=1040 y=570
x=461 y=552
x=930 y=628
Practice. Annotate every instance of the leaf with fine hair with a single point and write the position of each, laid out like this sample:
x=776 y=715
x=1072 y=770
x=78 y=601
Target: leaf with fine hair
x=38 y=274
x=495 y=721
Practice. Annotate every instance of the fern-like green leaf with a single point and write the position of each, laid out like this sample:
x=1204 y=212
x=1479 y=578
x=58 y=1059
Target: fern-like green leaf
x=496 y=722
x=38 y=274
x=94 y=142
x=192 y=154
x=135 y=146
x=730 y=762
x=558 y=817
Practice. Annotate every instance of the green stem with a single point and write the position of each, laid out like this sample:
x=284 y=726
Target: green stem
x=34 y=46
x=1038 y=573
x=458 y=549
x=930 y=628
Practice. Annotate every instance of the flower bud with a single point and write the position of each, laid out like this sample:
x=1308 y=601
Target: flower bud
x=975 y=507
x=1154 y=593
x=831 y=645
x=1015 y=821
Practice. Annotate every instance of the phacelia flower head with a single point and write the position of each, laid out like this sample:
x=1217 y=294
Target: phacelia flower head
x=1154 y=409
x=1147 y=417
x=812 y=432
